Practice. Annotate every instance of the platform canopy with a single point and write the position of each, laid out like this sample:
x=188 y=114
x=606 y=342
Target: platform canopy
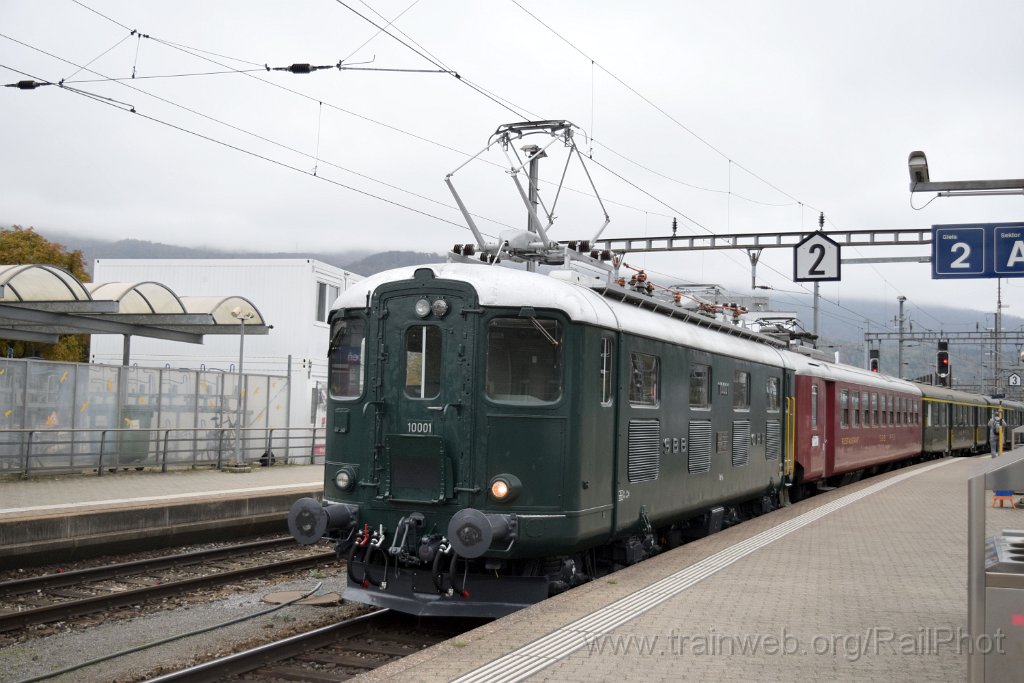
x=40 y=303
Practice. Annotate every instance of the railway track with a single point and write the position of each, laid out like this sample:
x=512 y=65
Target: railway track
x=332 y=653
x=56 y=597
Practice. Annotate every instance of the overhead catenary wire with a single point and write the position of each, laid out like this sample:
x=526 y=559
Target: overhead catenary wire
x=421 y=51
x=406 y=131
x=126 y=106
x=655 y=106
x=192 y=51
x=256 y=155
x=455 y=74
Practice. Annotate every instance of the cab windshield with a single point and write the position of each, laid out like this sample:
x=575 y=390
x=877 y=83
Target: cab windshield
x=524 y=360
x=347 y=350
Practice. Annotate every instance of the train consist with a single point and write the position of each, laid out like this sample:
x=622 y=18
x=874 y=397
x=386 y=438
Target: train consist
x=496 y=435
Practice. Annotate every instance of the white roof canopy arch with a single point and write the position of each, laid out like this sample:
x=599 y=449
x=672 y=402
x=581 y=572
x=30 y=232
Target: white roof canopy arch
x=40 y=303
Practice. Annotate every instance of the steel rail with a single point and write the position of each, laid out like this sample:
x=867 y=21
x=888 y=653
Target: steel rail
x=112 y=571
x=76 y=608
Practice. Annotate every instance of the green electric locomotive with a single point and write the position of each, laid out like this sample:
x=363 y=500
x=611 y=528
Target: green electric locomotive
x=497 y=435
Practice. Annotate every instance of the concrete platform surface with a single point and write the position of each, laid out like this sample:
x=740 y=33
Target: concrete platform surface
x=866 y=582
x=48 y=519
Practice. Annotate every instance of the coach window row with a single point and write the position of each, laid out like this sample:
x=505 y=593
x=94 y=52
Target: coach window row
x=884 y=410
x=645 y=383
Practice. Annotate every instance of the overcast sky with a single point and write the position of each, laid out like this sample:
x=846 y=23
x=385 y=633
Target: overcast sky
x=737 y=117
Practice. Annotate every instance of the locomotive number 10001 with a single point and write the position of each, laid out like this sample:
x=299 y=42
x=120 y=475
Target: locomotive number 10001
x=419 y=428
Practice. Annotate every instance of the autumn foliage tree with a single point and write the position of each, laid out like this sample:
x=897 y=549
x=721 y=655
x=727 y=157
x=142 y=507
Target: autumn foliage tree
x=24 y=245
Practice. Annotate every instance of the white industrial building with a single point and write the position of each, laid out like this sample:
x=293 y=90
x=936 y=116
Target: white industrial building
x=293 y=295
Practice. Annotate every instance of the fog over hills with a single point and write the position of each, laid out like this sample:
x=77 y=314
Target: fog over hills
x=842 y=327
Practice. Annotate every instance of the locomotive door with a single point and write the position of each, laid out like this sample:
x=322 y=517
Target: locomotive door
x=424 y=362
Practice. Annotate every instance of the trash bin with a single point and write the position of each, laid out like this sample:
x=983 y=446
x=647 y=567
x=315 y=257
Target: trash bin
x=1004 y=605
x=995 y=578
x=134 y=446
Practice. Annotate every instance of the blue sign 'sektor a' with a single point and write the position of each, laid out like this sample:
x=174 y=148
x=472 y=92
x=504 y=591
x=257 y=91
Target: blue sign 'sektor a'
x=973 y=250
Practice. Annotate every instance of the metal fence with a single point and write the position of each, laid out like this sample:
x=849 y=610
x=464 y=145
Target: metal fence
x=35 y=451
x=73 y=416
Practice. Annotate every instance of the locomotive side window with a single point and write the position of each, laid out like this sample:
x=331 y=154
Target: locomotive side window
x=524 y=360
x=700 y=386
x=855 y=408
x=866 y=405
x=348 y=346
x=643 y=385
x=423 y=361
x=874 y=410
x=741 y=390
x=844 y=408
x=607 y=376
x=773 y=394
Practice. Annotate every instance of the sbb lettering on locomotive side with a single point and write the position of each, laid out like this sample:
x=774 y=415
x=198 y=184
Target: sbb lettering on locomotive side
x=676 y=444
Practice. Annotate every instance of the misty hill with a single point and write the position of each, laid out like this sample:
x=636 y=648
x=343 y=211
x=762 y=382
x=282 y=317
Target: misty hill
x=842 y=329
x=359 y=262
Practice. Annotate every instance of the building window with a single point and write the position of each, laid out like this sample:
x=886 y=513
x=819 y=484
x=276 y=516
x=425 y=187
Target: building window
x=844 y=408
x=607 y=374
x=643 y=385
x=524 y=360
x=774 y=400
x=423 y=361
x=700 y=386
x=325 y=296
x=741 y=390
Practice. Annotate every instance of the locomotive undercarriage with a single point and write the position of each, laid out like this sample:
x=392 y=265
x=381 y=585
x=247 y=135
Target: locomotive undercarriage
x=420 y=572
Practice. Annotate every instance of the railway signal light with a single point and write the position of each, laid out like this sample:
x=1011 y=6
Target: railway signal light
x=873 y=360
x=942 y=360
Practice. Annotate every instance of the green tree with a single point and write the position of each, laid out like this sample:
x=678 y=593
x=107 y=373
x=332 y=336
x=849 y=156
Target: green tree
x=19 y=246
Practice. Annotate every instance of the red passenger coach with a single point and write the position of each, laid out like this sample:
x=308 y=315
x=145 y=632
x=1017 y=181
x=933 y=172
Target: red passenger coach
x=849 y=420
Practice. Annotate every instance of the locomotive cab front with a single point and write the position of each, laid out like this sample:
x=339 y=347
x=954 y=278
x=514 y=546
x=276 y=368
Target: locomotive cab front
x=421 y=488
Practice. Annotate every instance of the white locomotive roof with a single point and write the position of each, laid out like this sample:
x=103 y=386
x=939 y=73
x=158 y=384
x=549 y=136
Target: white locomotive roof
x=497 y=286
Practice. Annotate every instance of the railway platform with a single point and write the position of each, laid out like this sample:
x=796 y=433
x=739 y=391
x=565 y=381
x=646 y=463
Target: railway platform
x=52 y=518
x=864 y=582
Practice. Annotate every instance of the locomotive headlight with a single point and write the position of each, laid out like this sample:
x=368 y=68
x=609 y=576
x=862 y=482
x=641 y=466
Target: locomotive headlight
x=423 y=308
x=345 y=479
x=439 y=307
x=504 y=488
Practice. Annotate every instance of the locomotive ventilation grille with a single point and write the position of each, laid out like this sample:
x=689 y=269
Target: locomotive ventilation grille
x=699 y=459
x=740 y=443
x=773 y=440
x=644 y=450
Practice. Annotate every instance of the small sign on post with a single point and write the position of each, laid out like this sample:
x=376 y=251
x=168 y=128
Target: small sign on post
x=816 y=259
